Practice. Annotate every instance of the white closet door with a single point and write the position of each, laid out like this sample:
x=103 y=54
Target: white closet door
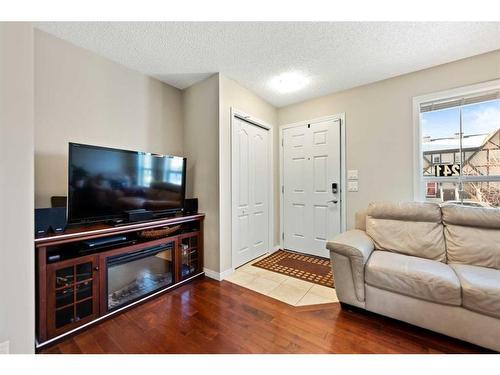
x=311 y=165
x=251 y=185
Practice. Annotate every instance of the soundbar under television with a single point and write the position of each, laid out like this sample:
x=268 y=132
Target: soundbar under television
x=107 y=183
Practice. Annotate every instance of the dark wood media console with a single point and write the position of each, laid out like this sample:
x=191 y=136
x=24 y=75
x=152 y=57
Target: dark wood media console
x=81 y=280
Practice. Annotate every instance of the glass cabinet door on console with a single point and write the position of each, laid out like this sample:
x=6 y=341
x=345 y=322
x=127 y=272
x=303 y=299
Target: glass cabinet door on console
x=189 y=255
x=72 y=293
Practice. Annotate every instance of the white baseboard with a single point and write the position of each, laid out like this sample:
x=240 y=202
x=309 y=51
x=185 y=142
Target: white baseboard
x=219 y=276
x=226 y=273
x=4 y=347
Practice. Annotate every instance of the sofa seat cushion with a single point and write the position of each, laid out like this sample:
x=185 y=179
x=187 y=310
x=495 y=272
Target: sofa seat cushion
x=415 y=277
x=480 y=288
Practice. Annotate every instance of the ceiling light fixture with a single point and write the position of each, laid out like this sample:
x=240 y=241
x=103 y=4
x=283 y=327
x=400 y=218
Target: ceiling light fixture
x=289 y=82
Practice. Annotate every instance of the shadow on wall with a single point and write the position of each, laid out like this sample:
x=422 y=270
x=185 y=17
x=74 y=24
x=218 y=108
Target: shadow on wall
x=51 y=177
x=191 y=170
x=162 y=118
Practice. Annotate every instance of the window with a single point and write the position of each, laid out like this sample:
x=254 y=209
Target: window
x=431 y=190
x=459 y=131
x=447 y=158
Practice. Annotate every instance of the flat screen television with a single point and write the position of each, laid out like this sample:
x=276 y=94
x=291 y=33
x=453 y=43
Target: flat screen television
x=104 y=183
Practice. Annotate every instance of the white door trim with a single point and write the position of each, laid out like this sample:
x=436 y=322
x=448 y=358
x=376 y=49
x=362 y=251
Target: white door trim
x=234 y=184
x=343 y=172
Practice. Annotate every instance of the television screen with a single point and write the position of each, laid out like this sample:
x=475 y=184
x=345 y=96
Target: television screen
x=104 y=183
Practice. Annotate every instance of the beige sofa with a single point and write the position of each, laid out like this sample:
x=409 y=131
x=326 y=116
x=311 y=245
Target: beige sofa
x=431 y=266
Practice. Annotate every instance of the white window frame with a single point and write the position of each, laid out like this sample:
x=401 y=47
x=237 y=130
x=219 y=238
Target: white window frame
x=419 y=180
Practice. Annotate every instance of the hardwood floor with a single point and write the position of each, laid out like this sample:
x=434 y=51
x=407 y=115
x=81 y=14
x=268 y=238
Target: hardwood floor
x=211 y=317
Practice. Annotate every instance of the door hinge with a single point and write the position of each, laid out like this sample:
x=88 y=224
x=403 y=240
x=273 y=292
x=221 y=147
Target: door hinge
x=283 y=235
x=282 y=189
x=282 y=142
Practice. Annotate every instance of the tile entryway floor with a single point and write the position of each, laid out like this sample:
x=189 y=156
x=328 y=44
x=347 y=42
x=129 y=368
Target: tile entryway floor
x=284 y=288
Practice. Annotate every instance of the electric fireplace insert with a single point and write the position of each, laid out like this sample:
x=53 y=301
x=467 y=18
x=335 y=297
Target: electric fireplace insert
x=133 y=276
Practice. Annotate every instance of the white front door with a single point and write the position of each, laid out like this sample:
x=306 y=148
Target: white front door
x=250 y=192
x=311 y=186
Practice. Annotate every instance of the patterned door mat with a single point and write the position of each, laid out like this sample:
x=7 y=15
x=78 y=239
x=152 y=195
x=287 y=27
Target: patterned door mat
x=305 y=267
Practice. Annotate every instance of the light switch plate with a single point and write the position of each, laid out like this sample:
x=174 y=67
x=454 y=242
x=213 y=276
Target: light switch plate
x=352 y=185
x=352 y=174
x=4 y=347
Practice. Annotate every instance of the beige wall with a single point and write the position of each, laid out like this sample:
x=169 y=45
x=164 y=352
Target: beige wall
x=82 y=97
x=201 y=134
x=234 y=95
x=17 y=295
x=379 y=131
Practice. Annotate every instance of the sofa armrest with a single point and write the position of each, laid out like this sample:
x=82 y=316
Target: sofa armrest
x=349 y=253
x=353 y=243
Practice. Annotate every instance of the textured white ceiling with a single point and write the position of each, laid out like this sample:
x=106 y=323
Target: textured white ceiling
x=334 y=55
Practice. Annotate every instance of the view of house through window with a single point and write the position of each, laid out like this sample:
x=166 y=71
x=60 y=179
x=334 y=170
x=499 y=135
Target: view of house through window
x=461 y=150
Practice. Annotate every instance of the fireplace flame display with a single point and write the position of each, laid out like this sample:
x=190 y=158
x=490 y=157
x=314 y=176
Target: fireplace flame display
x=136 y=275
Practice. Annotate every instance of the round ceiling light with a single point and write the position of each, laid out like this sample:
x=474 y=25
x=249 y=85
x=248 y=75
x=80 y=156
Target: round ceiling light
x=289 y=82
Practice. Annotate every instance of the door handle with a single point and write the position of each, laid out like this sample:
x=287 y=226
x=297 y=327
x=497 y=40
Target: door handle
x=335 y=201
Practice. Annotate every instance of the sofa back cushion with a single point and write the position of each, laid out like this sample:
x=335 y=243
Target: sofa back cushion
x=472 y=235
x=412 y=228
